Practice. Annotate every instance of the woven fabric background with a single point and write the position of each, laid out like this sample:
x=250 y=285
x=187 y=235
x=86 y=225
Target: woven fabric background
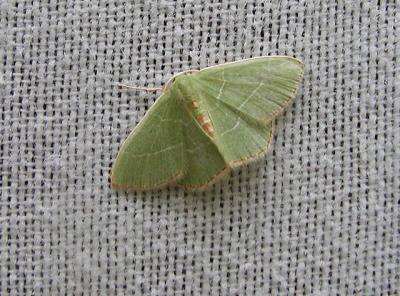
x=319 y=215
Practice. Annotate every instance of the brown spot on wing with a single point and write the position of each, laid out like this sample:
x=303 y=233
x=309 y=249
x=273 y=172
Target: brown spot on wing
x=195 y=104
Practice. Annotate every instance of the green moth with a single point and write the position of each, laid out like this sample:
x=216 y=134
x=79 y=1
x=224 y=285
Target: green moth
x=206 y=123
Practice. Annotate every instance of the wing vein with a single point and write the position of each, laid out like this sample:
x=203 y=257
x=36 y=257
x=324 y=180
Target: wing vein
x=156 y=152
x=232 y=128
x=251 y=94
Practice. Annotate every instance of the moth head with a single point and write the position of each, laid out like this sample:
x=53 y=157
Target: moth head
x=173 y=78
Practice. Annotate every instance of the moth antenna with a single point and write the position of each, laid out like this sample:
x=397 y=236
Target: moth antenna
x=148 y=89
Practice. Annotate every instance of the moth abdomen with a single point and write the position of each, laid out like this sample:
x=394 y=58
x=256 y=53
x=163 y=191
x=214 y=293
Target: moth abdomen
x=202 y=117
x=206 y=124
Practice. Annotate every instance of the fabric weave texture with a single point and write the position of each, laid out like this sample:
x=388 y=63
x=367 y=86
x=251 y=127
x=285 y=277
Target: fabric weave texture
x=319 y=215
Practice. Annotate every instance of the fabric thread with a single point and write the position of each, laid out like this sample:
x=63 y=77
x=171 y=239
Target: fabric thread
x=319 y=215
